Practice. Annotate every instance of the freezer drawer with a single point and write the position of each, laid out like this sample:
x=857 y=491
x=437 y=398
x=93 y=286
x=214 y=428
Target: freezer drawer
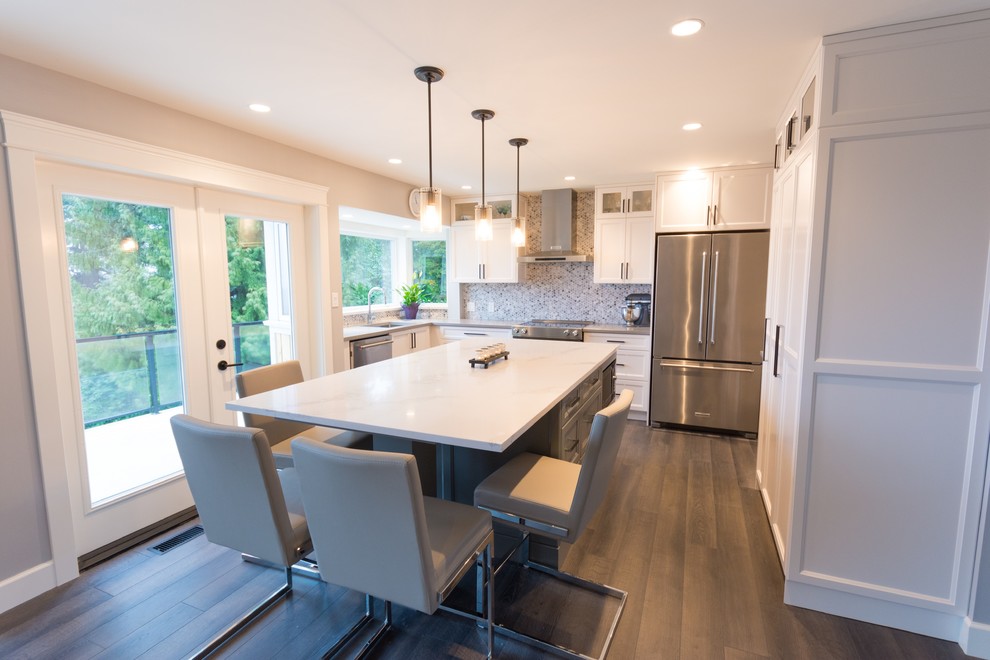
x=714 y=395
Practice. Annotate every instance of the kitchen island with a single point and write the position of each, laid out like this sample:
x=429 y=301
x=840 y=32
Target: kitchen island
x=435 y=396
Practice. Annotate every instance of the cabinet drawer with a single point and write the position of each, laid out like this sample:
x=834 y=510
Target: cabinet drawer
x=451 y=333
x=622 y=341
x=639 y=390
x=632 y=364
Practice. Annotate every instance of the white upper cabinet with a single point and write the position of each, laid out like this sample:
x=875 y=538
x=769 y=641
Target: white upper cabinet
x=624 y=234
x=628 y=201
x=624 y=250
x=492 y=261
x=714 y=200
x=462 y=208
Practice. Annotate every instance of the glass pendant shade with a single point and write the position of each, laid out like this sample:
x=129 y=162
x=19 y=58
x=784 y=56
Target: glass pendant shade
x=430 y=199
x=430 y=216
x=483 y=222
x=519 y=233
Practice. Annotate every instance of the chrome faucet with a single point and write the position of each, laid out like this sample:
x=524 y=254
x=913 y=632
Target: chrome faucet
x=370 y=292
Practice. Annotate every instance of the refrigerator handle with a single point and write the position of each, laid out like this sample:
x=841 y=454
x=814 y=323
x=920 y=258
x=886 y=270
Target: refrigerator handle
x=701 y=303
x=711 y=321
x=776 y=351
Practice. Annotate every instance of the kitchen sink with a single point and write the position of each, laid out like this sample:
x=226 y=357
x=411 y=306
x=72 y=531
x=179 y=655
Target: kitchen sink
x=394 y=324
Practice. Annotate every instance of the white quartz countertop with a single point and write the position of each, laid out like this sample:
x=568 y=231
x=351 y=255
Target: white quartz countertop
x=436 y=396
x=362 y=331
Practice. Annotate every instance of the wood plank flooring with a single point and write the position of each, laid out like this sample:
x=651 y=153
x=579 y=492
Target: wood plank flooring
x=682 y=530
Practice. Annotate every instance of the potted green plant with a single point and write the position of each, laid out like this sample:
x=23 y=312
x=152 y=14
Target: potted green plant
x=412 y=295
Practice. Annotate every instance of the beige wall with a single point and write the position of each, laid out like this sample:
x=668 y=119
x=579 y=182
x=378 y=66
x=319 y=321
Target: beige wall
x=41 y=93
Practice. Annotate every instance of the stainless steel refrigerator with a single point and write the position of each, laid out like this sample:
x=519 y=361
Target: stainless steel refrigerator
x=708 y=315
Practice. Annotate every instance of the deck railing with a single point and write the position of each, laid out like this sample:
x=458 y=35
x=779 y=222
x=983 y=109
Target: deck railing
x=139 y=373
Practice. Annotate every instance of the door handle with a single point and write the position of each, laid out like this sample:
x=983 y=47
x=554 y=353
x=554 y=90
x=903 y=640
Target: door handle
x=714 y=299
x=701 y=302
x=223 y=365
x=776 y=350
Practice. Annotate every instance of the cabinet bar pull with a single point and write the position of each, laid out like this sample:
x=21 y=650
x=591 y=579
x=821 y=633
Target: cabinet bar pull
x=714 y=297
x=715 y=214
x=615 y=341
x=708 y=214
x=776 y=351
x=701 y=303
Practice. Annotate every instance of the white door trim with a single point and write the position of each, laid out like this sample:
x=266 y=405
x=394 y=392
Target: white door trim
x=27 y=141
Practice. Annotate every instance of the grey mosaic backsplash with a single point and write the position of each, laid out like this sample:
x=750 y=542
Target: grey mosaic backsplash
x=552 y=291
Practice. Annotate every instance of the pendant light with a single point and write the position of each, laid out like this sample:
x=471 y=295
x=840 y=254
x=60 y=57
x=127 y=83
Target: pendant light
x=518 y=228
x=483 y=211
x=430 y=199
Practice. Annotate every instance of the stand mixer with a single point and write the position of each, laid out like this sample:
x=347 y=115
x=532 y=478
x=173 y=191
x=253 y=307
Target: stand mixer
x=636 y=310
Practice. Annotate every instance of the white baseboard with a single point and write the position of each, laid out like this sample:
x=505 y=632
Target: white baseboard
x=975 y=638
x=26 y=585
x=943 y=625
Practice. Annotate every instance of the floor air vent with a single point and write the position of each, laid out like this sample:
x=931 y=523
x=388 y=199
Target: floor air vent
x=178 y=539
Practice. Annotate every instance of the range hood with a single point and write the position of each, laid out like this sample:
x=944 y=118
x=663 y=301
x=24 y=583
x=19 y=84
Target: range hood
x=557 y=233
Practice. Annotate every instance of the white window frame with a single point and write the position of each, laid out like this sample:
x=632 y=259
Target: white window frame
x=402 y=271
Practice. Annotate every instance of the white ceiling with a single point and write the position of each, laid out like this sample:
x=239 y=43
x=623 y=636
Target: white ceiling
x=601 y=89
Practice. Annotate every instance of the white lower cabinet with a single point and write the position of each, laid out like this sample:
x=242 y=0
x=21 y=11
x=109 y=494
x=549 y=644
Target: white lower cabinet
x=410 y=341
x=632 y=366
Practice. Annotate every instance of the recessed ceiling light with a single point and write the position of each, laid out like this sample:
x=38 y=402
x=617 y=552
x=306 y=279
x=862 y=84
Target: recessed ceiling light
x=395 y=161
x=465 y=187
x=569 y=178
x=687 y=27
x=260 y=107
x=691 y=126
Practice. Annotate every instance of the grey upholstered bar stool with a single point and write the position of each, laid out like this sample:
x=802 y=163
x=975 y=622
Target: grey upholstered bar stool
x=557 y=499
x=243 y=502
x=280 y=432
x=375 y=532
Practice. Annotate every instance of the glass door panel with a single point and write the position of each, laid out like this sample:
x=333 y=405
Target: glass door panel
x=260 y=291
x=121 y=281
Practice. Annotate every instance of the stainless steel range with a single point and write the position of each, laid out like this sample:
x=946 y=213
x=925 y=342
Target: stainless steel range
x=550 y=329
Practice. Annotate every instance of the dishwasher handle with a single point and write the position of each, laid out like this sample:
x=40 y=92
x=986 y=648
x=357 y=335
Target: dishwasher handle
x=376 y=343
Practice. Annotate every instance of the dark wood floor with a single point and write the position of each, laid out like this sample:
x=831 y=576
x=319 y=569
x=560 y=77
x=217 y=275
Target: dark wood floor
x=683 y=530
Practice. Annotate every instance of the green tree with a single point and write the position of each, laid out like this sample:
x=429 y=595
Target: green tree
x=365 y=263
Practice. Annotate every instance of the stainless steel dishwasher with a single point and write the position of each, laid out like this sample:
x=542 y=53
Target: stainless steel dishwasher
x=371 y=349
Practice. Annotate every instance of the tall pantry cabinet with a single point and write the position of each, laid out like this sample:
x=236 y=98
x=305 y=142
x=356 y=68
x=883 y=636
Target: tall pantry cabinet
x=874 y=433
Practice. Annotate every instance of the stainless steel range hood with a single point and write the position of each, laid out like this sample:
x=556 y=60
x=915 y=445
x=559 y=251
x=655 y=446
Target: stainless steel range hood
x=557 y=233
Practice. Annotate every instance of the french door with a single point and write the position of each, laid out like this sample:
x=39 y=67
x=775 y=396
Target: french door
x=163 y=286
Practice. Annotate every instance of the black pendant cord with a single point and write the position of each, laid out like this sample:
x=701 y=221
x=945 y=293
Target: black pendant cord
x=429 y=122
x=482 y=160
x=517 y=181
x=429 y=75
